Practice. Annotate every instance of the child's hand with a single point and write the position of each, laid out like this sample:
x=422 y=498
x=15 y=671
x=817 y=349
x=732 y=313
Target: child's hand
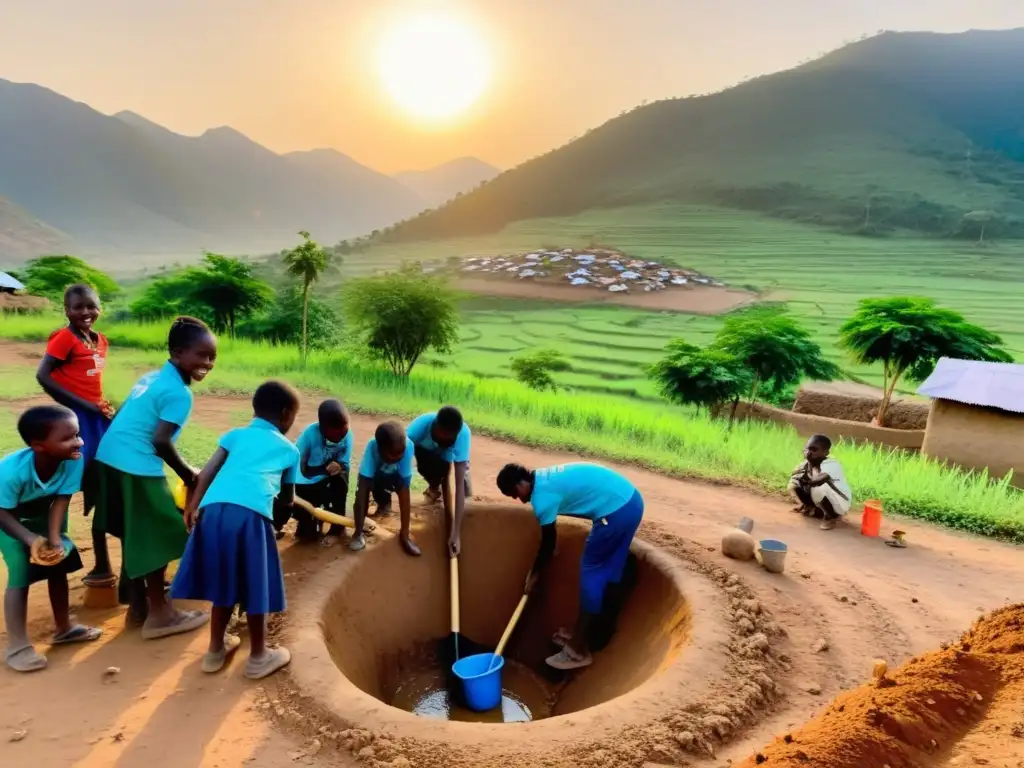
x=531 y=582
x=43 y=552
x=191 y=516
x=334 y=469
x=107 y=409
x=454 y=545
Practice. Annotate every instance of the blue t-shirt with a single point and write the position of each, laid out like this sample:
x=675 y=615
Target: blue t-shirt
x=317 y=452
x=20 y=484
x=128 y=444
x=578 y=490
x=372 y=464
x=259 y=459
x=419 y=432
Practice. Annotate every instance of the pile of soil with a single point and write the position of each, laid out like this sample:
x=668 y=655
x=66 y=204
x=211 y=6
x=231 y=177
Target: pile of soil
x=916 y=716
x=17 y=303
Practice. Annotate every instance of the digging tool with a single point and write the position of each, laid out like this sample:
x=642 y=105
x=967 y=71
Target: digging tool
x=508 y=631
x=330 y=517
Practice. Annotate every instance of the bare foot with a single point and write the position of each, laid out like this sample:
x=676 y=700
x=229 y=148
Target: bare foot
x=409 y=546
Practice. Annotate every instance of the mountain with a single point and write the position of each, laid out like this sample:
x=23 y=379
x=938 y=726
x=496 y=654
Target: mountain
x=900 y=132
x=125 y=184
x=438 y=185
x=23 y=237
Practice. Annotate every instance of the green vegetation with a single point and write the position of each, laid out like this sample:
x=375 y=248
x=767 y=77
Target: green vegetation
x=908 y=335
x=48 y=276
x=705 y=378
x=306 y=262
x=670 y=439
x=534 y=369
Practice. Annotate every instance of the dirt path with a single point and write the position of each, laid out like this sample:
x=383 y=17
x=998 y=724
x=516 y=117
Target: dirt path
x=867 y=600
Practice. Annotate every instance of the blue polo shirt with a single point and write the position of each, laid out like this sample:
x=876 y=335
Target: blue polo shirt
x=578 y=490
x=373 y=465
x=419 y=431
x=317 y=452
x=259 y=459
x=20 y=484
x=128 y=444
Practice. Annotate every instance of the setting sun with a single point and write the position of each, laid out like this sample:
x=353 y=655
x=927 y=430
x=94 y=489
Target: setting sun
x=434 y=67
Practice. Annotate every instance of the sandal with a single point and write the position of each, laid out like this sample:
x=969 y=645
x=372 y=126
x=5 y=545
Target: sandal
x=273 y=660
x=561 y=637
x=100 y=580
x=567 y=659
x=828 y=525
x=357 y=543
x=214 y=662
x=79 y=633
x=25 y=659
x=183 y=621
x=432 y=495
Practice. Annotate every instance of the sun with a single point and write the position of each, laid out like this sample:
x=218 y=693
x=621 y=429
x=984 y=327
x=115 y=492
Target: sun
x=435 y=67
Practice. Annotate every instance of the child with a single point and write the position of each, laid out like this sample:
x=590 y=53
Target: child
x=613 y=505
x=325 y=455
x=386 y=467
x=442 y=439
x=135 y=502
x=71 y=372
x=231 y=558
x=820 y=485
x=36 y=485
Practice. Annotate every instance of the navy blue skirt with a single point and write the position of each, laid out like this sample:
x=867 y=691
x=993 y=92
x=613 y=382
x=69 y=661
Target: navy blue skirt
x=231 y=559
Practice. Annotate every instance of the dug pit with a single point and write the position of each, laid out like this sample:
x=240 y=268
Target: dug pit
x=366 y=636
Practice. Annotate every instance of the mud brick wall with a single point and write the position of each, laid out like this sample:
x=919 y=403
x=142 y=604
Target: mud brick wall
x=976 y=438
x=902 y=414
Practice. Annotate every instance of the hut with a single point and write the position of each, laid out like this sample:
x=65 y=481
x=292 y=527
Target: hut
x=977 y=416
x=8 y=284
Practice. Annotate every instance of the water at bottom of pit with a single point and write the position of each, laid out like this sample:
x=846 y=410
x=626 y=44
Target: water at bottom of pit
x=524 y=697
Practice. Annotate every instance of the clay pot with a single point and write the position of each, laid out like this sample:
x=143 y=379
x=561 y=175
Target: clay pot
x=739 y=545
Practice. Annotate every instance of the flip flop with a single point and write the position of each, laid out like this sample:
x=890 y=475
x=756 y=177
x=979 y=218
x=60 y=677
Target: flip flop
x=25 y=659
x=561 y=637
x=357 y=543
x=184 y=621
x=432 y=496
x=896 y=543
x=828 y=525
x=99 y=580
x=567 y=660
x=275 y=659
x=79 y=633
x=214 y=662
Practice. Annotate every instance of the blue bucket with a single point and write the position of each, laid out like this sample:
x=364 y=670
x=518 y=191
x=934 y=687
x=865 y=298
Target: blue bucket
x=481 y=689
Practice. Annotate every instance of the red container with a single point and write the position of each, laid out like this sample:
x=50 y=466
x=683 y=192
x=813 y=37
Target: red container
x=871 y=521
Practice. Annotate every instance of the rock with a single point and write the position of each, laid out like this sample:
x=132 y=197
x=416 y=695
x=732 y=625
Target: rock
x=843 y=599
x=401 y=762
x=733 y=579
x=721 y=726
x=752 y=607
x=820 y=646
x=18 y=736
x=367 y=753
x=745 y=626
x=813 y=688
x=663 y=753
x=314 y=747
x=878 y=669
x=913 y=600
x=759 y=642
x=739 y=545
x=110 y=672
x=686 y=739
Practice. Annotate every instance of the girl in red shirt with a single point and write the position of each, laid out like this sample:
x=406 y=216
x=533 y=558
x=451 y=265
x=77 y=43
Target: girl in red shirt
x=72 y=374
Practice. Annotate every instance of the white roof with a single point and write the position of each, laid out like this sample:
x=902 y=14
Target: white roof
x=993 y=385
x=6 y=281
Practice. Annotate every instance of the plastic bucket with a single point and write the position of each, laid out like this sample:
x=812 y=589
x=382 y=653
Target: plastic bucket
x=871 y=521
x=481 y=688
x=773 y=555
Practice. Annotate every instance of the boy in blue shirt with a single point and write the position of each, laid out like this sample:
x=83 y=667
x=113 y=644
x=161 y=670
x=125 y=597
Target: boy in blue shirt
x=36 y=485
x=325 y=455
x=386 y=468
x=615 y=508
x=231 y=557
x=442 y=440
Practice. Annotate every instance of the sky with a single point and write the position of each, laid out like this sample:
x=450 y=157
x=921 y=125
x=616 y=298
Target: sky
x=304 y=74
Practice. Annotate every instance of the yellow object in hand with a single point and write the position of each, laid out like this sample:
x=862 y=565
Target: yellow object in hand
x=180 y=494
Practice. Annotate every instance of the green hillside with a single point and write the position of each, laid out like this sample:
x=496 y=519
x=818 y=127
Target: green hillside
x=901 y=132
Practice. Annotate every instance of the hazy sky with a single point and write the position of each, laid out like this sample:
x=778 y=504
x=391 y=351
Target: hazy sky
x=299 y=74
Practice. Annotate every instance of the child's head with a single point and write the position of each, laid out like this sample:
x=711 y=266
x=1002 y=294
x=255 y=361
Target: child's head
x=390 y=437
x=51 y=430
x=333 y=420
x=82 y=306
x=192 y=346
x=817 y=448
x=447 y=426
x=516 y=481
x=276 y=402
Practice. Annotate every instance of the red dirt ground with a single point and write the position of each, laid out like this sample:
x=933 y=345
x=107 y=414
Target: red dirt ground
x=865 y=600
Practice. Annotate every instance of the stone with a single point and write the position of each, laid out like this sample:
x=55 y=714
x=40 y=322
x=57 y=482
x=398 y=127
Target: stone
x=745 y=626
x=820 y=645
x=401 y=762
x=759 y=642
x=686 y=739
x=18 y=736
x=739 y=545
x=367 y=753
x=813 y=688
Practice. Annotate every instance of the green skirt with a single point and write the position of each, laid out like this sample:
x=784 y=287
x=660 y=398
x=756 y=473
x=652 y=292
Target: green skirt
x=21 y=571
x=140 y=512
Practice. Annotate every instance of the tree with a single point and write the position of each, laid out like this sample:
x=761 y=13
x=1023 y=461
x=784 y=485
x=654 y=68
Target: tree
x=705 y=378
x=306 y=262
x=282 y=322
x=981 y=220
x=534 y=369
x=49 y=275
x=400 y=315
x=908 y=335
x=777 y=349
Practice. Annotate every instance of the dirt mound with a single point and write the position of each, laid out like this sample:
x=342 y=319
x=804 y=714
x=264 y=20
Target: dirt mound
x=917 y=715
x=22 y=304
x=902 y=414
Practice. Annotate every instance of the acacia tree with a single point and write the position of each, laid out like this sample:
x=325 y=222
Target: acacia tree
x=705 y=378
x=777 y=349
x=908 y=335
x=49 y=275
x=534 y=369
x=306 y=261
x=400 y=315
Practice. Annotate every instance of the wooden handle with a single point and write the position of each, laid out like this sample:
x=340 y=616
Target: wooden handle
x=511 y=626
x=330 y=517
x=454 y=569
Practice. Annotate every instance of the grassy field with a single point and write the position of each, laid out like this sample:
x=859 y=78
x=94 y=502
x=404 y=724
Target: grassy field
x=675 y=441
